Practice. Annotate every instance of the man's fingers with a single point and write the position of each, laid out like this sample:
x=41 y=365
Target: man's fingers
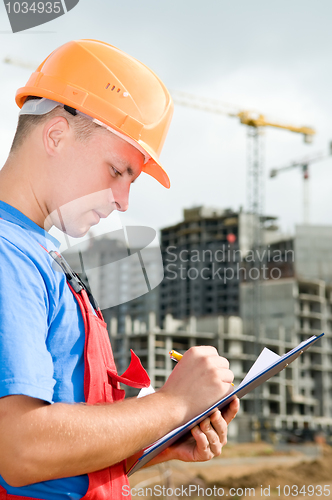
x=213 y=436
x=224 y=363
x=230 y=412
x=207 y=353
x=202 y=443
x=227 y=375
x=220 y=425
x=215 y=430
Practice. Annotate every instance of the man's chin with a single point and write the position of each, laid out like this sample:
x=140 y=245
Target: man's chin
x=75 y=226
x=77 y=232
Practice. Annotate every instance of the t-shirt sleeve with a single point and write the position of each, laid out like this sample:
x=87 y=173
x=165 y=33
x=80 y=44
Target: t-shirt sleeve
x=26 y=366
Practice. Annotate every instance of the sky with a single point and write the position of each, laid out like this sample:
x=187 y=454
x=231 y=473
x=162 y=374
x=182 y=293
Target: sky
x=272 y=57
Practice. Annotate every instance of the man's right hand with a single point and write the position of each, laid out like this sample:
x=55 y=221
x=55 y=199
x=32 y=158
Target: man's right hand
x=199 y=380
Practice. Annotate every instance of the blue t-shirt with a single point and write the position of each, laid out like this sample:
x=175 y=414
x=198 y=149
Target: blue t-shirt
x=41 y=333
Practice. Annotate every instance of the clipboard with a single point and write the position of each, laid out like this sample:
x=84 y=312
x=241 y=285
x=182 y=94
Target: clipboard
x=266 y=366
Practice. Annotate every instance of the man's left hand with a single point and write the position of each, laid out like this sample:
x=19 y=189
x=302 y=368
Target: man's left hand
x=208 y=438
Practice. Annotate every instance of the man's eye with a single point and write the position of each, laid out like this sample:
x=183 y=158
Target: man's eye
x=116 y=172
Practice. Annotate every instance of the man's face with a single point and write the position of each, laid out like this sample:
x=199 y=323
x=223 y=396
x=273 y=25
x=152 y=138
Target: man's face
x=91 y=180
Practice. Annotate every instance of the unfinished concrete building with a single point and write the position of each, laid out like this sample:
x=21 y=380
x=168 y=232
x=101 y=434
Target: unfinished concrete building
x=294 y=305
x=202 y=258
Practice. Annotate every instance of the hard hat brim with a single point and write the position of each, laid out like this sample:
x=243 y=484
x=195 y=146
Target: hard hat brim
x=153 y=168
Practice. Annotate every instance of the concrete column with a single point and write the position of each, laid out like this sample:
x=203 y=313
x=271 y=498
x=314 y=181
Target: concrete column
x=152 y=321
x=128 y=325
x=168 y=362
x=136 y=326
x=192 y=324
x=113 y=327
x=152 y=357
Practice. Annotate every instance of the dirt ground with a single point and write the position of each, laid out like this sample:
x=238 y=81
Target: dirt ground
x=243 y=471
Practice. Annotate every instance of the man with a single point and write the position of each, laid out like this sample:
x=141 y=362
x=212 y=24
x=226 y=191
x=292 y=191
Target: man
x=92 y=120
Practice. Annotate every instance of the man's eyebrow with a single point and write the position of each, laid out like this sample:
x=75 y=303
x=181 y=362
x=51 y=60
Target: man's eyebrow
x=131 y=173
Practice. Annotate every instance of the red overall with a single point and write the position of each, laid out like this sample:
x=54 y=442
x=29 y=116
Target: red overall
x=101 y=385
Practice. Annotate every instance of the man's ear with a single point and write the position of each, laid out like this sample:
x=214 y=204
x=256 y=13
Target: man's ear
x=55 y=133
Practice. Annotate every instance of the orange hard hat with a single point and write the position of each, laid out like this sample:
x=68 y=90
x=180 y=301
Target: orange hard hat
x=107 y=84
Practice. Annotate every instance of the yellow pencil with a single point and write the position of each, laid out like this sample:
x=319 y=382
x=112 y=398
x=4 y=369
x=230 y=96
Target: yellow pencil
x=176 y=356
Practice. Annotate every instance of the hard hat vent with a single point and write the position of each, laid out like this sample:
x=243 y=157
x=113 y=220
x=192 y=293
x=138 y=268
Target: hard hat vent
x=114 y=87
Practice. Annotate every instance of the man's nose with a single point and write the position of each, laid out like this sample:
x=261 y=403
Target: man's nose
x=121 y=200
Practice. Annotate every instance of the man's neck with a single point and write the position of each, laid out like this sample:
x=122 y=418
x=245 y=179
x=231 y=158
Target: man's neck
x=17 y=190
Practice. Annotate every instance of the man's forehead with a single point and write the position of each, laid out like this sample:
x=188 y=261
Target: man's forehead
x=124 y=138
x=125 y=154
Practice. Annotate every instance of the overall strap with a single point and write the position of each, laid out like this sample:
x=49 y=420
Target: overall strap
x=73 y=279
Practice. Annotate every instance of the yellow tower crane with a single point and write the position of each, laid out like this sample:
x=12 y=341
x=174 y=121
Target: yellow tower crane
x=255 y=123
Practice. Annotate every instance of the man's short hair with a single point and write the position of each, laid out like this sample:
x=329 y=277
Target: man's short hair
x=83 y=127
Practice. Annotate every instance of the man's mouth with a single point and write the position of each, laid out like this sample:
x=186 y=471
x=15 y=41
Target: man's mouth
x=101 y=215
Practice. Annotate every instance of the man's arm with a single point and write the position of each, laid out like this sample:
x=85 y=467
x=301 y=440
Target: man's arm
x=44 y=442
